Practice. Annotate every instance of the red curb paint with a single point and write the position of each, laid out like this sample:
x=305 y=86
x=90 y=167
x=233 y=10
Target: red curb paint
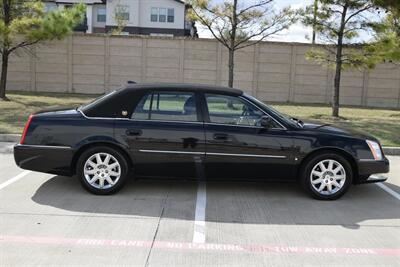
x=198 y=246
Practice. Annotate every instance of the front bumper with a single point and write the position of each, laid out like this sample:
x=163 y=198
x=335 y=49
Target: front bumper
x=373 y=171
x=368 y=167
x=375 y=178
x=49 y=159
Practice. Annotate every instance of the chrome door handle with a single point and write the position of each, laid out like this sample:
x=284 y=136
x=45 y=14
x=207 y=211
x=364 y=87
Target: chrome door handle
x=134 y=132
x=220 y=136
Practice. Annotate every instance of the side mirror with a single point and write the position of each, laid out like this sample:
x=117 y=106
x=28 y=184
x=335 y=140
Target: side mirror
x=266 y=122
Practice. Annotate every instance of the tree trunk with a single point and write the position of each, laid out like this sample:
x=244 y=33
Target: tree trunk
x=3 y=80
x=335 y=96
x=314 y=33
x=339 y=63
x=232 y=44
x=231 y=67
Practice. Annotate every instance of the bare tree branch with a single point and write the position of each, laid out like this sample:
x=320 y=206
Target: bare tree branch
x=260 y=4
x=358 y=12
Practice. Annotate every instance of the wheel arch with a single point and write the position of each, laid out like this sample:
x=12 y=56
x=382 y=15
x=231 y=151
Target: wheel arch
x=336 y=150
x=84 y=147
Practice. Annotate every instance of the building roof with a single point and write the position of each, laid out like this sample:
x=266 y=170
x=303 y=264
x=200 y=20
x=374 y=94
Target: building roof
x=76 y=1
x=93 y=1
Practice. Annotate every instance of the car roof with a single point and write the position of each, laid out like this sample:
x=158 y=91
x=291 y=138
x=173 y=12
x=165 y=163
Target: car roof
x=184 y=87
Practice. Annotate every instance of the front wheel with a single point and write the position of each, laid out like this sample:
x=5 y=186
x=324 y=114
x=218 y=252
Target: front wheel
x=102 y=170
x=327 y=176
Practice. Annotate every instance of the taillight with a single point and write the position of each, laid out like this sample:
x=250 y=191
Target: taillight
x=25 y=129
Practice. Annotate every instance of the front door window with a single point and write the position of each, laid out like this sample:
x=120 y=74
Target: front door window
x=224 y=109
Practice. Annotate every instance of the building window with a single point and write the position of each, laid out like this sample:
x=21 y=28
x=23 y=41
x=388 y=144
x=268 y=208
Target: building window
x=48 y=7
x=171 y=15
x=162 y=14
x=154 y=14
x=101 y=14
x=122 y=12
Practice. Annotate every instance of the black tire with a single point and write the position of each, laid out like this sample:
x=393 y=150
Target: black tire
x=308 y=166
x=124 y=170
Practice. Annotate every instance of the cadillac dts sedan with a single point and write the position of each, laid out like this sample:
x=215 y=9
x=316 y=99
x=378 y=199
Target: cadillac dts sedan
x=195 y=132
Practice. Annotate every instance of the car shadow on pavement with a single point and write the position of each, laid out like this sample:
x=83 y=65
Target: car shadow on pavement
x=227 y=202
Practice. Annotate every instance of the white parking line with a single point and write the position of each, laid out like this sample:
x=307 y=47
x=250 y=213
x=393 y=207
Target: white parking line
x=389 y=190
x=199 y=234
x=14 y=179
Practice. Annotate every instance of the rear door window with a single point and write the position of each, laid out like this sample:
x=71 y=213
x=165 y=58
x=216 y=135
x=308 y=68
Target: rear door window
x=167 y=106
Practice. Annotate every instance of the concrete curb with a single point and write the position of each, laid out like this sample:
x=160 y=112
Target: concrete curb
x=7 y=148
x=10 y=138
x=391 y=151
x=14 y=138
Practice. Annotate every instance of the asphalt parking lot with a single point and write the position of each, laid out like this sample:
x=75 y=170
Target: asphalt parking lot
x=49 y=220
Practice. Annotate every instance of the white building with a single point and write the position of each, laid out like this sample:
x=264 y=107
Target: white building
x=150 y=17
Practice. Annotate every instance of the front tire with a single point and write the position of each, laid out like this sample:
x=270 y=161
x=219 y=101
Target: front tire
x=102 y=170
x=326 y=176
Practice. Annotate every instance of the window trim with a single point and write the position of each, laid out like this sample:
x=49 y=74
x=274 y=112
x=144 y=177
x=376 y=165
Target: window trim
x=165 y=15
x=127 y=12
x=98 y=14
x=151 y=14
x=173 y=15
x=198 y=106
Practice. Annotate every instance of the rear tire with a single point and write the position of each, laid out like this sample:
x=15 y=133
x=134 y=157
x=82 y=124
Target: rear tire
x=326 y=176
x=102 y=170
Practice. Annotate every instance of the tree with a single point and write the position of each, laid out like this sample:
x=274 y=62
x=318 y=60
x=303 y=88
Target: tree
x=120 y=17
x=314 y=34
x=239 y=24
x=25 y=23
x=386 y=44
x=339 y=22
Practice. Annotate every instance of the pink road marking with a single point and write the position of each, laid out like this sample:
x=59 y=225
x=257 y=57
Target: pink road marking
x=197 y=247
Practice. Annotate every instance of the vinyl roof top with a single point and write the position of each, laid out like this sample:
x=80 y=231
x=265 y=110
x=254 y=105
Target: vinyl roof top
x=184 y=87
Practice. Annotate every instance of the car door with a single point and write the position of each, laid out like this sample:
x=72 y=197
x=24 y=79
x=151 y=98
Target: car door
x=238 y=147
x=165 y=135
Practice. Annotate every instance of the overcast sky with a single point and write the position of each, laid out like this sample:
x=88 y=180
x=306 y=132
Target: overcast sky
x=296 y=33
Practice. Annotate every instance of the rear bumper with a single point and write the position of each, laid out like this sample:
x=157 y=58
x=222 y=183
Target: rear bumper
x=49 y=159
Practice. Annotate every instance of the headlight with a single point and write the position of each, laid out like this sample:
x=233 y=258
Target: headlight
x=375 y=149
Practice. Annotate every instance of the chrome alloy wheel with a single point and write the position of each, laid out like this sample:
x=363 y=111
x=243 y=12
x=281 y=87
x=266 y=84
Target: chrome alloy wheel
x=328 y=177
x=102 y=170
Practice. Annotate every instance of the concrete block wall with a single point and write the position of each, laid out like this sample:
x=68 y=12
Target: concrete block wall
x=272 y=71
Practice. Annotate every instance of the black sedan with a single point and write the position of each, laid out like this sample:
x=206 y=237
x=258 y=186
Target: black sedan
x=195 y=131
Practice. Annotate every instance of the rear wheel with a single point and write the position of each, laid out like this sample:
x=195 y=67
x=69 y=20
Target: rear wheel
x=102 y=170
x=327 y=176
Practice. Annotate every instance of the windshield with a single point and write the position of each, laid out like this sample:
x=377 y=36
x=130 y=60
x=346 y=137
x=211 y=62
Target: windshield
x=276 y=113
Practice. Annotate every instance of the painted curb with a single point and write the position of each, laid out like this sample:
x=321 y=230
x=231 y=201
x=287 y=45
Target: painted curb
x=14 y=138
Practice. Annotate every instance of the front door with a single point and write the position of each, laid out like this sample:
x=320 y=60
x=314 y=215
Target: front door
x=238 y=147
x=165 y=135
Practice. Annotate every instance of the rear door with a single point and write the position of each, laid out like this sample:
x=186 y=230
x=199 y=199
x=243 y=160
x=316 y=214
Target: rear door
x=165 y=134
x=237 y=147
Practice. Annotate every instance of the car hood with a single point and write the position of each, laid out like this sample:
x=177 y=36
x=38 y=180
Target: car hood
x=337 y=130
